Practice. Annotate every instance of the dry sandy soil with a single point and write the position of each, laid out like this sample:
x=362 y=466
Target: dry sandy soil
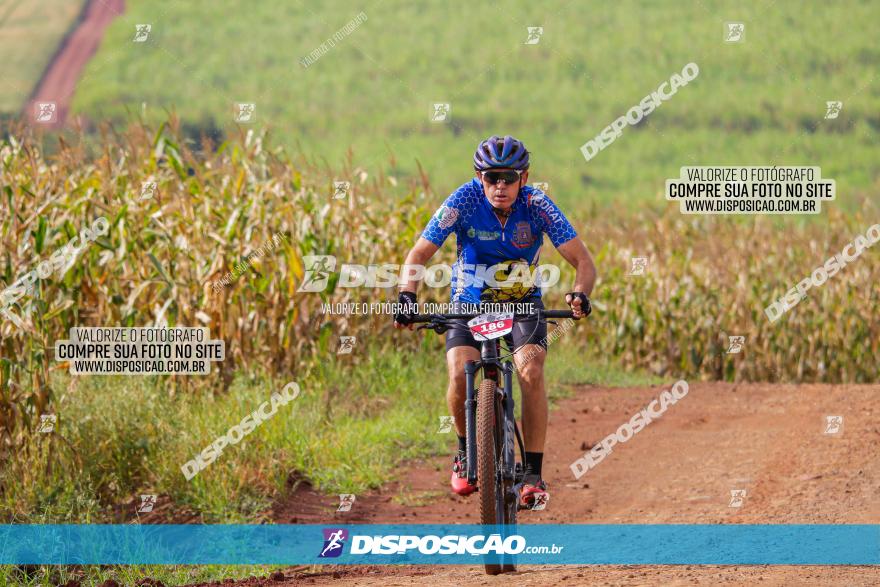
x=766 y=439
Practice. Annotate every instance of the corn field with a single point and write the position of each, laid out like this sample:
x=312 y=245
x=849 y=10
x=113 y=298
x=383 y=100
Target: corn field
x=709 y=279
x=166 y=250
x=183 y=215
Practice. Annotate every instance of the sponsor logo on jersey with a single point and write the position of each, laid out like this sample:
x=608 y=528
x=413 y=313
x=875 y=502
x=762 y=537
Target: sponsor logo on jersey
x=522 y=235
x=446 y=216
x=483 y=235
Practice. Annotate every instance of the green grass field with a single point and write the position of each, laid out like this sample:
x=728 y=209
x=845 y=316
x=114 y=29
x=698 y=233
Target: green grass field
x=124 y=436
x=91 y=575
x=30 y=33
x=754 y=103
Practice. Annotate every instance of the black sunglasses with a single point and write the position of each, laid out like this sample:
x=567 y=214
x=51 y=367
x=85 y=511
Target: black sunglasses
x=507 y=177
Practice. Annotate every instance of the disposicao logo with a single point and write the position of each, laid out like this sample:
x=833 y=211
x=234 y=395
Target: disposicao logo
x=403 y=544
x=334 y=540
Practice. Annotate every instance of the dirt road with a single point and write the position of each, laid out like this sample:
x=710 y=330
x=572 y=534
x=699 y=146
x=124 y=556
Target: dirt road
x=766 y=439
x=59 y=80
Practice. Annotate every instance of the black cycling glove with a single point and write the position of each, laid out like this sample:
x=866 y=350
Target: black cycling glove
x=586 y=307
x=408 y=307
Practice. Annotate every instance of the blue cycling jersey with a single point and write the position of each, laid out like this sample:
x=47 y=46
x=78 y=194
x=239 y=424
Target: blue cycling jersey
x=497 y=262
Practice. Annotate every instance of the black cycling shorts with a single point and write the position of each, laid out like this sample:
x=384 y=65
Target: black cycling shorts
x=524 y=331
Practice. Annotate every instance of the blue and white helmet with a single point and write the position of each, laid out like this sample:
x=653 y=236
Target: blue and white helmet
x=496 y=152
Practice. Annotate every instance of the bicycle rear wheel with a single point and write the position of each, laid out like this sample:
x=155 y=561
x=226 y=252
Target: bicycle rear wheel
x=487 y=460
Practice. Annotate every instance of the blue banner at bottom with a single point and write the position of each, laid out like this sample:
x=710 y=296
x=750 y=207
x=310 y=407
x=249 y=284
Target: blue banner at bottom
x=574 y=544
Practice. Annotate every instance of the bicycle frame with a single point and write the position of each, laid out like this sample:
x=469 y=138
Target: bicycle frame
x=508 y=473
x=505 y=420
x=501 y=371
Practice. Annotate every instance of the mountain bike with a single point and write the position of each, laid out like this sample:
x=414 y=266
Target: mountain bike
x=489 y=416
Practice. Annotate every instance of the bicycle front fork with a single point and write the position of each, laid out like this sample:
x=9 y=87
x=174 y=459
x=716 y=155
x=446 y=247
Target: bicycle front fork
x=506 y=430
x=470 y=424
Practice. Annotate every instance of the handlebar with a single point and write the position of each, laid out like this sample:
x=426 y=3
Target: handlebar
x=440 y=323
x=419 y=318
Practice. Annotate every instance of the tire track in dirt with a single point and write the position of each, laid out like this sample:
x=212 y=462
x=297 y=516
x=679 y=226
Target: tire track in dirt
x=58 y=83
x=766 y=439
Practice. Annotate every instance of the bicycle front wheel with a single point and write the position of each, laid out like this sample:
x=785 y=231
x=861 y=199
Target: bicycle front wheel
x=487 y=459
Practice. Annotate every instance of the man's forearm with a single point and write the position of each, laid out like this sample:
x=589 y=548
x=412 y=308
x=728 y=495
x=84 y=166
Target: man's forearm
x=585 y=277
x=585 y=272
x=413 y=270
x=578 y=256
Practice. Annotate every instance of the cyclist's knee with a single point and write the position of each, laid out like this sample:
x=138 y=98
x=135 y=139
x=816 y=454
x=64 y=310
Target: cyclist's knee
x=457 y=386
x=456 y=374
x=532 y=371
x=530 y=362
x=458 y=357
x=455 y=362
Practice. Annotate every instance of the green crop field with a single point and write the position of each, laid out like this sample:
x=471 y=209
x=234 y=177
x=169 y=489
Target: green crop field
x=30 y=33
x=758 y=102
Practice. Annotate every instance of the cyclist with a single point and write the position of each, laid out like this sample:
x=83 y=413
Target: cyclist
x=498 y=219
